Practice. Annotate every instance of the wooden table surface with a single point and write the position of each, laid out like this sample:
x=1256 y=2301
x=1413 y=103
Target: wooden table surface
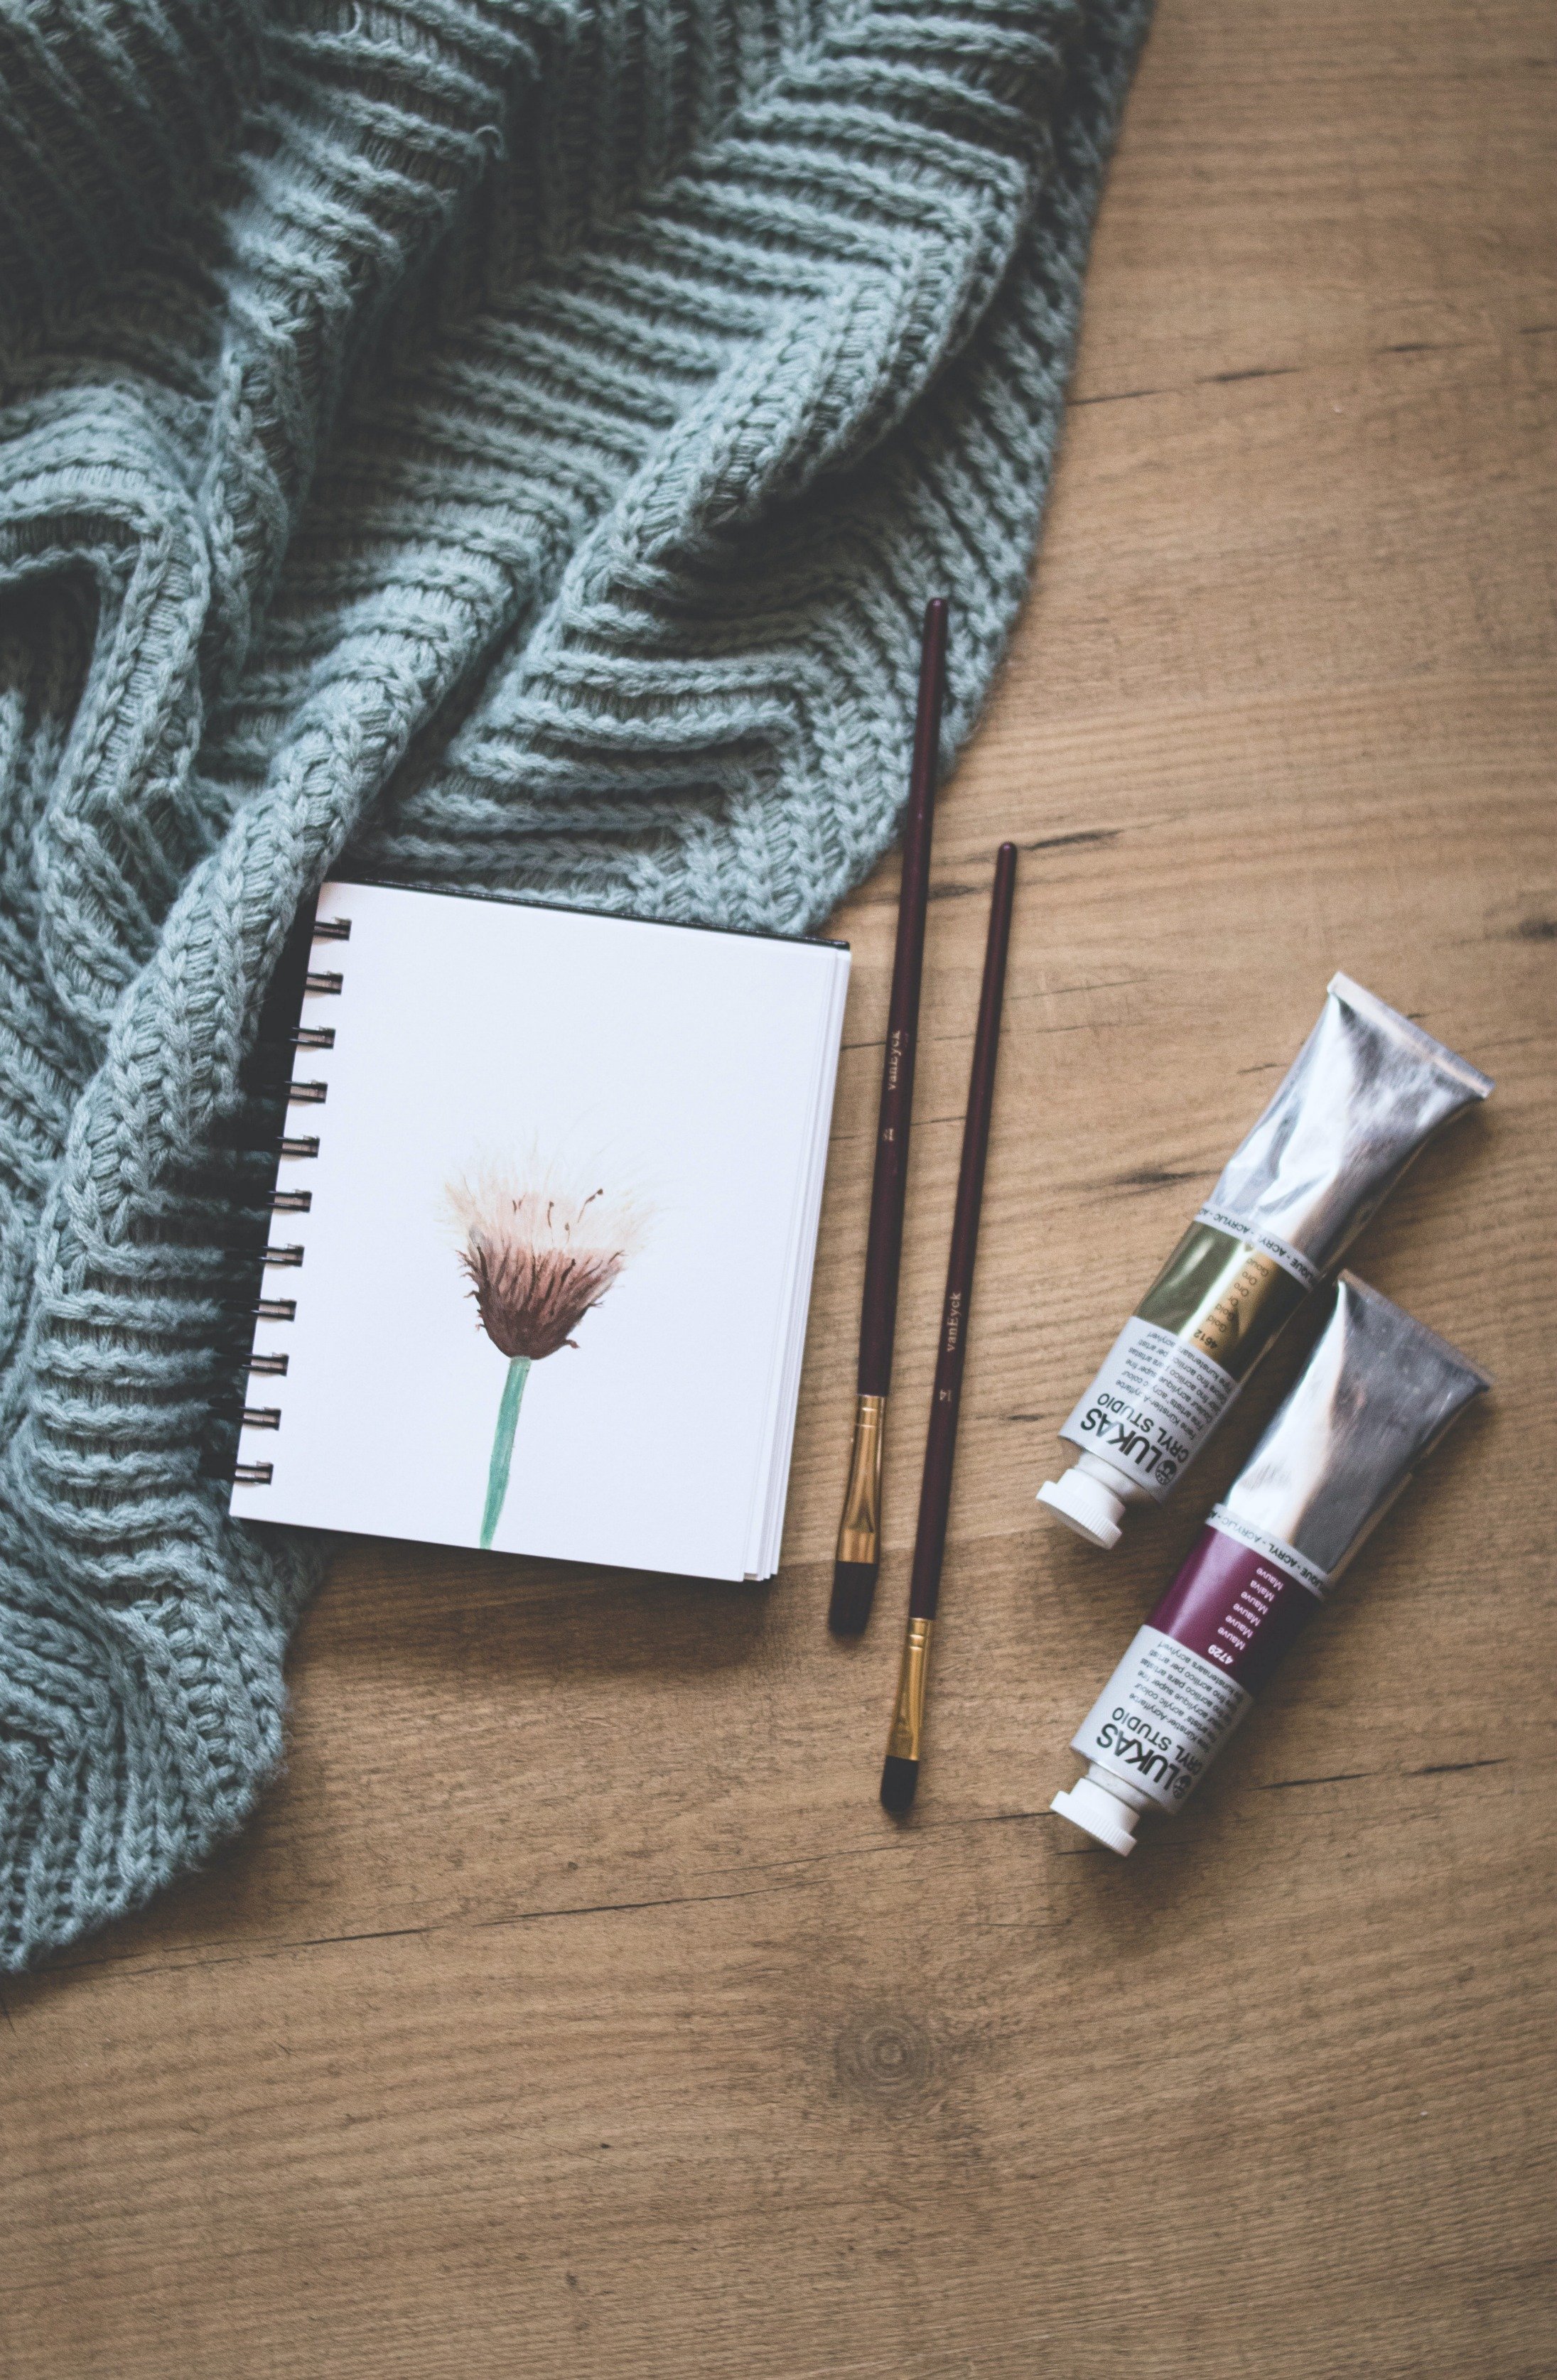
x=572 y=2008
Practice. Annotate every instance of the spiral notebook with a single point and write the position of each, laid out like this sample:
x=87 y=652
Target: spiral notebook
x=543 y=1228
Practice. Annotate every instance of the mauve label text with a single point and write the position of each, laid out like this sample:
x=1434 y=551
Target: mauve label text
x=1235 y=1608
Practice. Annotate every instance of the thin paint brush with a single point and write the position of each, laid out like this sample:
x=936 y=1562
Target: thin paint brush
x=859 y=1532
x=900 y=1776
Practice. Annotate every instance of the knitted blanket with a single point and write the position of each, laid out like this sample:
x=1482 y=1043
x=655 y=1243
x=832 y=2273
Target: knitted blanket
x=509 y=442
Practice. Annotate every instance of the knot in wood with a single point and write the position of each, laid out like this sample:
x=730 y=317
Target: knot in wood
x=884 y=2057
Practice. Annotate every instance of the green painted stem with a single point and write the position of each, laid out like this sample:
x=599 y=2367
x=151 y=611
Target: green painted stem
x=503 y=1445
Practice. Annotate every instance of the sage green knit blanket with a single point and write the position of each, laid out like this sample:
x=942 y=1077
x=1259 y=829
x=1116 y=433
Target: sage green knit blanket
x=508 y=440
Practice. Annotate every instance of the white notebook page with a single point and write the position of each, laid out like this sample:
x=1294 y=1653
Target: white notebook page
x=689 y=1071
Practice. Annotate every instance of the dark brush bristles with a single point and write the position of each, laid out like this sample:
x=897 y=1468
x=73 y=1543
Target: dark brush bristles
x=853 y=1588
x=899 y=1783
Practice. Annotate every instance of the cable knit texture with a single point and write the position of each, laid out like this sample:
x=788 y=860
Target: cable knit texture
x=508 y=441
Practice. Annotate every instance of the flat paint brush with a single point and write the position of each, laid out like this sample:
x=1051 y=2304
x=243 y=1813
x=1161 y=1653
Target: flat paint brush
x=859 y=1533
x=900 y=1776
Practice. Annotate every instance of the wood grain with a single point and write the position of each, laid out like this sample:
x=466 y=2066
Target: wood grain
x=572 y=2008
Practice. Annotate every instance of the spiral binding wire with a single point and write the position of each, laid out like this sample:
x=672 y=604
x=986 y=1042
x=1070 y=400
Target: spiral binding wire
x=325 y=981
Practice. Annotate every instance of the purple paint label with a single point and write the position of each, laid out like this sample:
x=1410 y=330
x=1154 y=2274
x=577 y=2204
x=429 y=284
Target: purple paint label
x=1193 y=1670
x=1235 y=1606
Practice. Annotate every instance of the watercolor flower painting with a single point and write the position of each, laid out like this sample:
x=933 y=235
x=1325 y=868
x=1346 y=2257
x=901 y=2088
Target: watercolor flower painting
x=538 y=1256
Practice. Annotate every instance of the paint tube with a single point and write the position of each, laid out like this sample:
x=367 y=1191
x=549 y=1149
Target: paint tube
x=1376 y=1396
x=1367 y=1090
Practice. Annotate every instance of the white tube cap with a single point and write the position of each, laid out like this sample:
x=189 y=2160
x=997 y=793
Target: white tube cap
x=1085 y=1505
x=1099 y=1812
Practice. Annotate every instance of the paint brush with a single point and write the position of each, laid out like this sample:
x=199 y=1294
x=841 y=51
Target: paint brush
x=900 y=1775
x=859 y=1532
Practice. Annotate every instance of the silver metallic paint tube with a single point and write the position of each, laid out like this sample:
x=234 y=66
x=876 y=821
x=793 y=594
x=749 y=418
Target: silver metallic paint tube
x=1364 y=1093
x=1376 y=1396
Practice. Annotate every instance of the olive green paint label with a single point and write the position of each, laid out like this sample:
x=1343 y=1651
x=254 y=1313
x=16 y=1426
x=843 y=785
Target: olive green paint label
x=1180 y=1360
x=1223 y=1296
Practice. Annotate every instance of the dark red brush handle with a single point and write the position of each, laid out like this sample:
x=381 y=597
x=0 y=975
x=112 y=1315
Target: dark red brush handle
x=885 y=1246
x=935 y=1495
x=900 y=1770
x=859 y=1530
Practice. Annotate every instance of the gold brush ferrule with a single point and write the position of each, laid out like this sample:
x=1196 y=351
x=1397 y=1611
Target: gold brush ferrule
x=907 y=1718
x=859 y=1531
